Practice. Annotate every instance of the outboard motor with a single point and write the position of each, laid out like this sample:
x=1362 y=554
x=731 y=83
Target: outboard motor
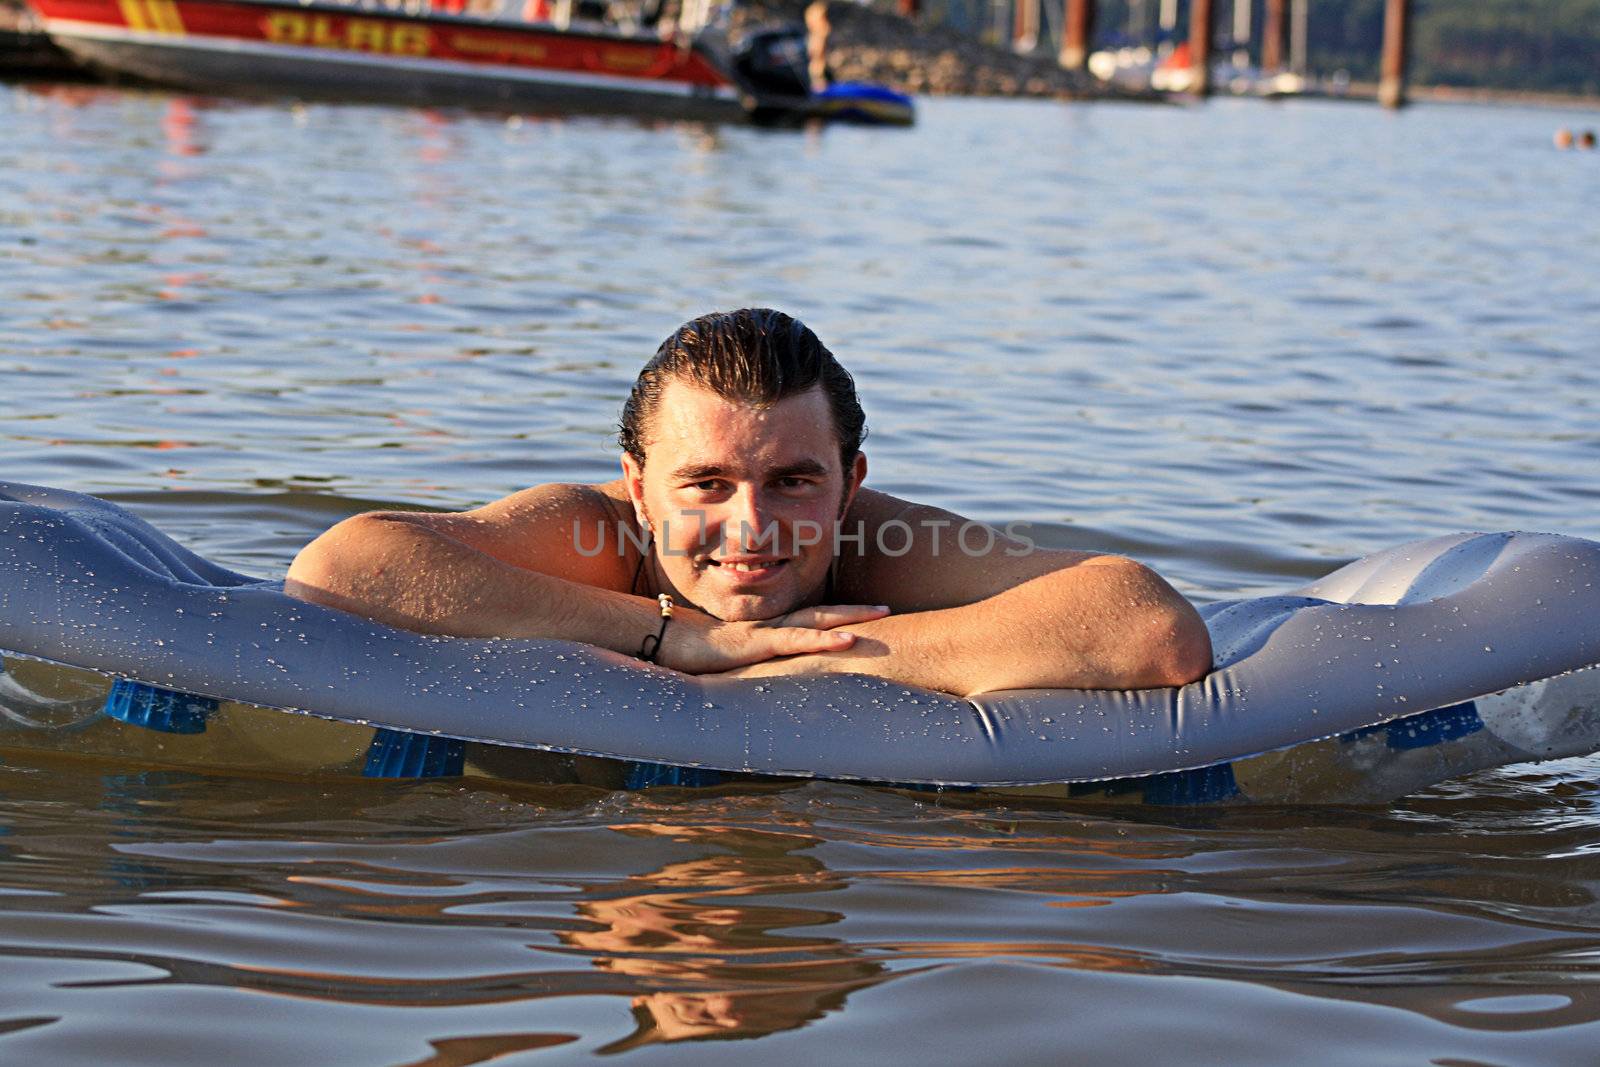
x=774 y=63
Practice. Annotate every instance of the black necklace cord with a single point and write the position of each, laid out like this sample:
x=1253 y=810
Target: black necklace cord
x=644 y=556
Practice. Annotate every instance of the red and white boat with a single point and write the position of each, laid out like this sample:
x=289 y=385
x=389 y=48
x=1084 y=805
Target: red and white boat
x=538 y=58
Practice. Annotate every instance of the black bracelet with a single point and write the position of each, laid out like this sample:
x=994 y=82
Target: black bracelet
x=651 y=646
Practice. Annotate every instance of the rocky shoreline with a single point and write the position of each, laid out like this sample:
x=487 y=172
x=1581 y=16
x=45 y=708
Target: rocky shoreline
x=876 y=46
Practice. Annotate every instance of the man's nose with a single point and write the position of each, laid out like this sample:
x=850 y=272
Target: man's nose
x=748 y=516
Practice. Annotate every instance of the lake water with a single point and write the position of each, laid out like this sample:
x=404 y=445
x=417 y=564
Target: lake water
x=1243 y=343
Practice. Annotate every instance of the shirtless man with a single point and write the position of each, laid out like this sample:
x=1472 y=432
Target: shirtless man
x=741 y=497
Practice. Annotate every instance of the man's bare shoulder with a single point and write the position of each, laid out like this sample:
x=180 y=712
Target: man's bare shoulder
x=552 y=528
x=876 y=509
x=552 y=501
x=919 y=557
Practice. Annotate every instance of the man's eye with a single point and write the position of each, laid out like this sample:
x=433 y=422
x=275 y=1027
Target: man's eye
x=794 y=483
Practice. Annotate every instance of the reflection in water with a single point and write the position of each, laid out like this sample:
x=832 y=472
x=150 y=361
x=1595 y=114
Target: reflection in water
x=130 y=799
x=707 y=964
x=457 y=913
x=178 y=124
x=465 y=1051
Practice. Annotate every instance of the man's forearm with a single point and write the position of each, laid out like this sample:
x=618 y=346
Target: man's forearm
x=409 y=576
x=1122 y=627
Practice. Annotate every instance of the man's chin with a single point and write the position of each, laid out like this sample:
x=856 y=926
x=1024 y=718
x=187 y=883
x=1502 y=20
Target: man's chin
x=752 y=605
x=742 y=612
x=749 y=608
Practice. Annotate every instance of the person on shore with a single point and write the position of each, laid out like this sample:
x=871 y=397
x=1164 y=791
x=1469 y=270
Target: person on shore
x=817 y=30
x=740 y=540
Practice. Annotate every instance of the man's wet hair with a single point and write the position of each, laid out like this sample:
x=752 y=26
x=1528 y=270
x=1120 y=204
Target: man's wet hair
x=753 y=355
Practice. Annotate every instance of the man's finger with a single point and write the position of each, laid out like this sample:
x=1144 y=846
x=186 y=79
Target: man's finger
x=795 y=641
x=828 y=616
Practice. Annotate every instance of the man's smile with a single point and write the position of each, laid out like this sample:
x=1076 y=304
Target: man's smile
x=747 y=566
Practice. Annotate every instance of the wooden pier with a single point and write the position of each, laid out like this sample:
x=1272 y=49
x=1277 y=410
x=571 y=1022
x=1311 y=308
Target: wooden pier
x=1283 y=21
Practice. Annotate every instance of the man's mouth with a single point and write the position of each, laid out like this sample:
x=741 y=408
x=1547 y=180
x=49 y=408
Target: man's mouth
x=747 y=566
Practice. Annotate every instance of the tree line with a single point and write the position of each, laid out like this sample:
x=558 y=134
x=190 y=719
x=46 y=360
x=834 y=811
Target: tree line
x=1549 y=45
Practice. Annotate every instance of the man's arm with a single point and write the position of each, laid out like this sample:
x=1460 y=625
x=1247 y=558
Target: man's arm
x=1004 y=614
x=514 y=569
x=1101 y=623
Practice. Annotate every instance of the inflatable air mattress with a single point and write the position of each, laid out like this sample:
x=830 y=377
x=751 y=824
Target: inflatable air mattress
x=1405 y=668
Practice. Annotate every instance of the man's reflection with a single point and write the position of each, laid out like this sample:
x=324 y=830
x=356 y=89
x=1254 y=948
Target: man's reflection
x=704 y=964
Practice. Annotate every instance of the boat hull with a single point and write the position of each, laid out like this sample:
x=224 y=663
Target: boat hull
x=242 y=48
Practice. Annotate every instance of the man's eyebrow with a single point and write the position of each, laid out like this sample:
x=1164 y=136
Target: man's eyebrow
x=696 y=472
x=804 y=466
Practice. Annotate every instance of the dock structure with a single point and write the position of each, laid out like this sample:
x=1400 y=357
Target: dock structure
x=1282 y=22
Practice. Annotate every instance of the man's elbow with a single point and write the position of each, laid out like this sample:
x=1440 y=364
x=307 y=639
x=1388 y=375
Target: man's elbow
x=1176 y=647
x=311 y=575
x=1180 y=651
x=1184 y=656
x=322 y=572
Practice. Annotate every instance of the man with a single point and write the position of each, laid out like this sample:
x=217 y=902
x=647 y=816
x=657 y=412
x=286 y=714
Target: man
x=741 y=499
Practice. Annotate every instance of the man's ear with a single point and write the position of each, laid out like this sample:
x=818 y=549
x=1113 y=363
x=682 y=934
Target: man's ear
x=633 y=481
x=853 y=479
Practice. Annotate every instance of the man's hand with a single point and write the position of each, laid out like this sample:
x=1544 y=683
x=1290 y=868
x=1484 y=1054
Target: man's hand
x=696 y=643
x=1100 y=623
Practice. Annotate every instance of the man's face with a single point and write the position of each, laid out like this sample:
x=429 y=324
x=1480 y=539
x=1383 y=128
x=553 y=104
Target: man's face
x=743 y=498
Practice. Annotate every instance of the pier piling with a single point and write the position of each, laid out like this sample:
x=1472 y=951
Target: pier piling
x=1025 y=26
x=1202 y=25
x=1077 y=20
x=1392 y=81
x=1240 y=37
x=1272 y=37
